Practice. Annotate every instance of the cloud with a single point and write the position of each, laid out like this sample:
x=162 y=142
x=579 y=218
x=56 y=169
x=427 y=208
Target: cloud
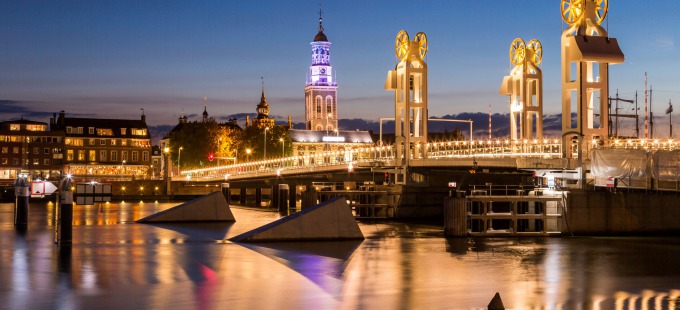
x=666 y=43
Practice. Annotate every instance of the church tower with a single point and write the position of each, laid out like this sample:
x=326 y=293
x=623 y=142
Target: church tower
x=321 y=91
x=262 y=120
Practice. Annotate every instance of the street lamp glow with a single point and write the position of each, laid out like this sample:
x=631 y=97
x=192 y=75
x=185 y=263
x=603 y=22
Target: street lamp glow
x=283 y=145
x=265 y=143
x=179 y=156
x=248 y=151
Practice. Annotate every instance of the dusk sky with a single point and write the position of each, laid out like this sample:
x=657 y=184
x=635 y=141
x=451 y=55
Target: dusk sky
x=108 y=59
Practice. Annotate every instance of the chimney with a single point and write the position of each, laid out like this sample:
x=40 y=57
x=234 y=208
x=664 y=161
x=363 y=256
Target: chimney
x=62 y=119
x=53 y=120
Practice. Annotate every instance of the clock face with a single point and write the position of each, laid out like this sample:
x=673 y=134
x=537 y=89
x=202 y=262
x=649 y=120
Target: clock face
x=323 y=70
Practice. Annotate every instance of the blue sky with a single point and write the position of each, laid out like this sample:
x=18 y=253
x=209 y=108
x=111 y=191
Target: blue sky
x=108 y=59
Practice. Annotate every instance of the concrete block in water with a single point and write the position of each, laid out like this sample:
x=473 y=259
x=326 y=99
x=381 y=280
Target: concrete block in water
x=329 y=220
x=212 y=207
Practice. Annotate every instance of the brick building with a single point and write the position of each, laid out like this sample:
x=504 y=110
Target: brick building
x=104 y=149
x=29 y=147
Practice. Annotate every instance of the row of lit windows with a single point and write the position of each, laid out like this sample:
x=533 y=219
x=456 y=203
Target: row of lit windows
x=80 y=155
x=113 y=142
x=106 y=131
x=29 y=127
x=36 y=161
x=30 y=139
x=36 y=150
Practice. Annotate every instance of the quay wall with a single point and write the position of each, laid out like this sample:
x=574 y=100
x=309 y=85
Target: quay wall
x=621 y=213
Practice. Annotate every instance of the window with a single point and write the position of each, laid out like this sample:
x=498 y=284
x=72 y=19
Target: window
x=5 y=161
x=14 y=127
x=139 y=131
x=69 y=155
x=135 y=156
x=15 y=150
x=91 y=141
x=113 y=141
x=123 y=155
x=81 y=155
x=155 y=161
x=47 y=162
x=145 y=156
x=102 y=155
x=15 y=161
x=36 y=161
x=36 y=150
x=5 y=150
x=92 y=155
x=102 y=142
x=114 y=155
x=123 y=131
x=69 y=129
x=104 y=132
x=90 y=130
x=46 y=150
x=123 y=142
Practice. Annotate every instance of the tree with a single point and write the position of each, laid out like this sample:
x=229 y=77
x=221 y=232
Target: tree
x=198 y=139
x=253 y=139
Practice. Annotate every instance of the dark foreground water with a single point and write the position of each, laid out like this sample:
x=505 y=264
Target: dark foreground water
x=115 y=263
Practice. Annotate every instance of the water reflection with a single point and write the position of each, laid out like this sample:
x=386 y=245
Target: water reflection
x=116 y=263
x=323 y=263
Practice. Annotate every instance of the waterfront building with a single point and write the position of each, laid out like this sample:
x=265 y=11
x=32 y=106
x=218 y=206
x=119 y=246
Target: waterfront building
x=308 y=143
x=28 y=147
x=104 y=149
x=321 y=90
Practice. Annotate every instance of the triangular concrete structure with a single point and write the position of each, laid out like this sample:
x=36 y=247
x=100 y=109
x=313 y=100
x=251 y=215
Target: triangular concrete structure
x=212 y=207
x=496 y=303
x=330 y=220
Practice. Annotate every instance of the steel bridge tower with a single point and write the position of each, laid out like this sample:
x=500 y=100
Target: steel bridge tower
x=409 y=83
x=524 y=85
x=587 y=51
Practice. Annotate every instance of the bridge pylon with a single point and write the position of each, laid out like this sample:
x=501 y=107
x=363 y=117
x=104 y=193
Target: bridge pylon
x=409 y=82
x=524 y=85
x=587 y=51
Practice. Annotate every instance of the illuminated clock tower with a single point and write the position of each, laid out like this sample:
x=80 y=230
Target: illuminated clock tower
x=321 y=90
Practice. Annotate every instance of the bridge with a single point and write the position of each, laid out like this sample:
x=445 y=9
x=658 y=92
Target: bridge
x=487 y=153
x=518 y=154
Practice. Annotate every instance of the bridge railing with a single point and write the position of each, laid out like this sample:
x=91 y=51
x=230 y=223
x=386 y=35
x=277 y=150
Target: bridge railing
x=377 y=155
x=646 y=144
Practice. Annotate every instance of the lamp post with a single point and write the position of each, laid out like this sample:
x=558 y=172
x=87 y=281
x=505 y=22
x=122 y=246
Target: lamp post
x=265 y=143
x=248 y=151
x=179 y=156
x=283 y=145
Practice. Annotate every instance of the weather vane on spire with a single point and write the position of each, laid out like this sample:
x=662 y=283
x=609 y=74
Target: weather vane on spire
x=320 y=17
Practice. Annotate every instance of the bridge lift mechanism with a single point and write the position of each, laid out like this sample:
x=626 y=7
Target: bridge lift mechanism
x=524 y=85
x=587 y=51
x=409 y=83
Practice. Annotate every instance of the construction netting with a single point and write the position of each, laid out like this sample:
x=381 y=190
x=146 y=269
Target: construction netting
x=619 y=163
x=665 y=165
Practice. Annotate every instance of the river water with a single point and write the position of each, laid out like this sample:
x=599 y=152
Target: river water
x=115 y=263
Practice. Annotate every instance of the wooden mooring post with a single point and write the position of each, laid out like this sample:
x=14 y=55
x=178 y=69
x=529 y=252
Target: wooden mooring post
x=455 y=215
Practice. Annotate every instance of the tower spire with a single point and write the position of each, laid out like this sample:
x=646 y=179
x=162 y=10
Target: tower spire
x=262 y=99
x=320 y=18
x=205 y=109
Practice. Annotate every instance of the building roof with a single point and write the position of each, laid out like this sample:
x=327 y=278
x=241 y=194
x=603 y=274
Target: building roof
x=101 y=123
x=321 y=136
x=22 y=121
